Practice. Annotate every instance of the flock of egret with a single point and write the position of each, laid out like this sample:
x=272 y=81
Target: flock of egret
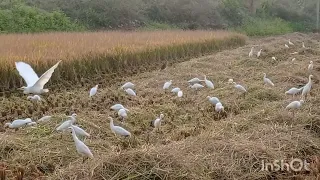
x=35 y=86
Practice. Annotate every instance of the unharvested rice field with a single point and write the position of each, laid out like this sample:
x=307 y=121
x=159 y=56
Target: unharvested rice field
x=194 y=141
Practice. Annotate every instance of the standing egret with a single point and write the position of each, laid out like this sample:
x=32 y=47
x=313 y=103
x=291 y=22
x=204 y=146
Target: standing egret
x=80 y=146
x=16 y=124
x=167 y=84
x=194 y=80
x=157 y=123
x=303 y=46
x=117 y=107
x=130 y=92
x=310 y=67
x=123 y=113
x=117 y=130
x=208 y=83
x=35 y=98
x=127 y=85
x=273 y=58
x=175 y=90
x=293 y=91
x=290 y=43
x=213 y=100
x=67 y=123
x=239 y=87
x=79 y=131
x=285 y=45
x=251 y=52
x=307 y=88
x=180 y=94
x=34 y=83
x=196 y=86
x=259 y=53
x=44 y=119
x=294 y=106
x=93 y=91
x=218 y=108
x=267 y=80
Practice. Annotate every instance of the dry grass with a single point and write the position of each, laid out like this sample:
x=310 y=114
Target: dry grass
x=85 y=55
x=194 y=143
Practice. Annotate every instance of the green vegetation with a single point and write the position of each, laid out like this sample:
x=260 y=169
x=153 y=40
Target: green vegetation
x=73 y=15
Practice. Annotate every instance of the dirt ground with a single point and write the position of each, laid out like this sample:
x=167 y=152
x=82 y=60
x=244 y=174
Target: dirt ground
x=194 y=142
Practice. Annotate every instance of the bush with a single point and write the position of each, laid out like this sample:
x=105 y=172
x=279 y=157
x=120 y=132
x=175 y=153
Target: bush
x=264 y=27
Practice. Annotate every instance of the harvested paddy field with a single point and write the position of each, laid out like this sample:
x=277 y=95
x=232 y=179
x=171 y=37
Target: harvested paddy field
x=194 y=142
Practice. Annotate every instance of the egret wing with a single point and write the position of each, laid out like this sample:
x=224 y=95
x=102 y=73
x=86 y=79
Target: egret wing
x=27 y=73
x=46 y=77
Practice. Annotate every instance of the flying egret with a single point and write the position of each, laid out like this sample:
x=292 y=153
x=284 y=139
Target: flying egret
x=208 y=83
x=293 y=91
x=285 y=45
x=117 y=130
x=167 y=84
x=67 y=123
x=196 y=86
x=218 y=108
x=180 y=94
x=123 y=113
x=79 y=131
x=175 y=90
x=251 y=52
x=259 y=53
x=80 y=146
x=267 y=80
x=35 y=98
x=157 y=122
x=93 y=91
x=16 y=124
x=294 y=106
x=34 y=83
x=130 y=92
x=307 y=88
x=194 y=80
x=273 y=58
x=44 y=119
x=213 y=100
x=127 y=85
x=310 y=67
x=290 y=43
x=303 y=46
x=117 y=107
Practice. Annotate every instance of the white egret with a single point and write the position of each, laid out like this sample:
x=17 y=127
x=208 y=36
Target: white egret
x=67 y=123
x=79 y=131
x=259 y=53
x=32 y=124
x=251 y=52
x=130 y=92
x=157 y=122
x=303 y=46
x=16 y=124
x=123 y=113
x=194 y=80
x=307 y=88
x=44 y=119
x=208 y=83
x=127 y=85
x=117 y=130
x=80 y=146
x=213 y=100
x=167 y=84
x=267 y=80
x=240 y=88
x=293 y=91
x=196 y=86
x=294 y=106
x=310 y=67
x=219 y=107
x=180 y=94
x=285 y=45
x=35 y=98
x=290 y=43
x=175 y=90
x=93 y=91
x=34 y=83
x=117 y=107
x=273 y=58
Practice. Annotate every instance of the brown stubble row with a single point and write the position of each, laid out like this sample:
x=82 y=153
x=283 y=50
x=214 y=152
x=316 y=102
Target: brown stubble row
x=104 y=55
